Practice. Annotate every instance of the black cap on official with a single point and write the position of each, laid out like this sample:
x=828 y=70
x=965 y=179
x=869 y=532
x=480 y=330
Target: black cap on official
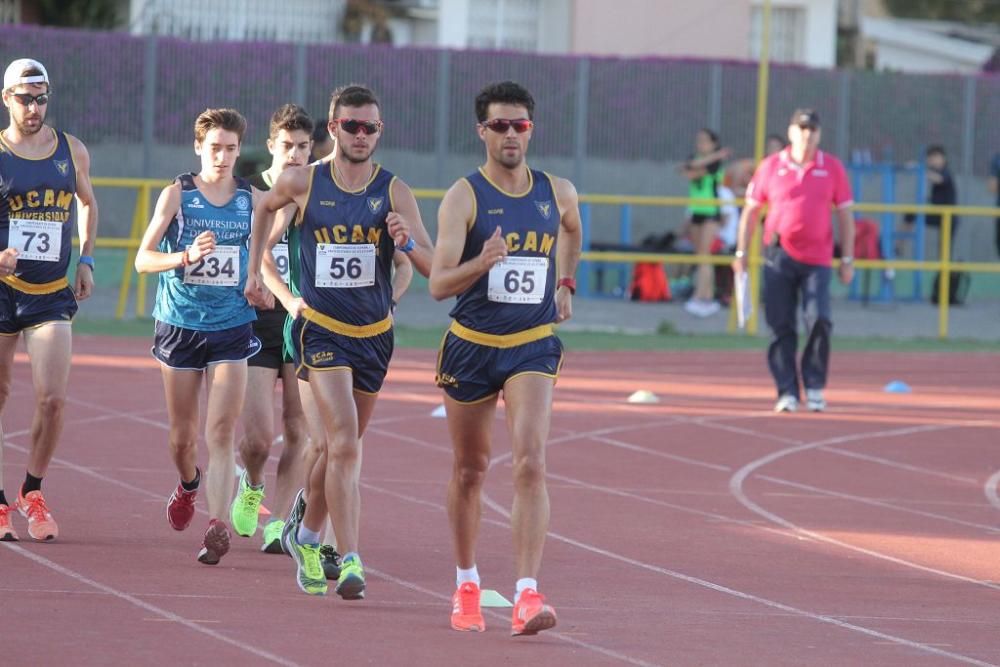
x=805 y=118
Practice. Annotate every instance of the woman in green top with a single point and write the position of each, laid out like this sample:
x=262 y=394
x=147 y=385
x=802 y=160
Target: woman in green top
x=704 y=172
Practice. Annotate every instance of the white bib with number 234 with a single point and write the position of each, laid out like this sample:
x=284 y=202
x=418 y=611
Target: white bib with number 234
x=220 y=268
x=518 y=280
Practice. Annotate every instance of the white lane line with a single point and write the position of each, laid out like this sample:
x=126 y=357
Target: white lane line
x=990 y=489
x=621 y=444
x=877 y=503
x=738 y=479
x=142 y=604
x=898 y=465
x=719 y=588
x=77 y=422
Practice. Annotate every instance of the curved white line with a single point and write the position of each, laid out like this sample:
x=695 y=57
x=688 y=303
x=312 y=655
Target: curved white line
x=739 y=477
x=990 y=489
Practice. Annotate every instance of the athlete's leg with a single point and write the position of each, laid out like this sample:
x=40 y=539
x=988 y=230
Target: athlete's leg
x=8 y=344
x=342 y=411
x=291 y=464
x=315 y=461
x=529 y=411
x=704 y=234
x=227 y=383
x=182 y=388
x=258 y=422
x=49 y=349
x=470 y=426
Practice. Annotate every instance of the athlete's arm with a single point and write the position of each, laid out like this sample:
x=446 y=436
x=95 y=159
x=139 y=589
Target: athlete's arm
x=151 y=260
x=292 y=184
x=455 y=215
x=405 y=223
x=402 y=275
x=83 y=284
x=272 y=277
x=569 y=244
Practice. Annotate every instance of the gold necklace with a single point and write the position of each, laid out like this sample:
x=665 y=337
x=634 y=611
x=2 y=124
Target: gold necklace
x=353 y=191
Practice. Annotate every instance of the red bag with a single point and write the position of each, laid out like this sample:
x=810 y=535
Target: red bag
x=649 y=283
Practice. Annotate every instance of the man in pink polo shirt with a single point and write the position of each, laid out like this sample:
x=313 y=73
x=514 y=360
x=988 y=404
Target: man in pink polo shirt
x=799 y=185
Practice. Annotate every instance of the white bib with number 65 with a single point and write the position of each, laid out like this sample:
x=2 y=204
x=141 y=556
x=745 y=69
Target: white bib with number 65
x=340 y=265
x=40 y=240
x=221 y=268
x=518 y=280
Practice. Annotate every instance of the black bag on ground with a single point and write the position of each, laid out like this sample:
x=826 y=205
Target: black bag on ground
x=958 y=288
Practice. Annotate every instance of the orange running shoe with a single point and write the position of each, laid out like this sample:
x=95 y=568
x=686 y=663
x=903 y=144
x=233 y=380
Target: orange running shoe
x=7 y=533
x=41 y=525
x=216 y=543
x=531 y=614
x=466 y=616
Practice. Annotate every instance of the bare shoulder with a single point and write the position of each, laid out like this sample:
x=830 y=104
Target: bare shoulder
x=565 y=191
x=294 y=180
x=78 y=148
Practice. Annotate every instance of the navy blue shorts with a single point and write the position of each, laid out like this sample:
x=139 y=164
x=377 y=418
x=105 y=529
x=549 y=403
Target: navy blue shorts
x=20 y=310
x=190 y=350
x=470 y=372
x=270 y=329
x=316 y=348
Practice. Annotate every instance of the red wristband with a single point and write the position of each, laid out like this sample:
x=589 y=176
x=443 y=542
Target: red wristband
x=569 y=283
x=184 y=258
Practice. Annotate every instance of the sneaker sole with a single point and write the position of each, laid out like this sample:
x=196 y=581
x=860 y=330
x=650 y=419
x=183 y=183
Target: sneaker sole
x=8 y=537
x=273 y=547
x=471 y=627
x=216 y=546
x=47 y=537
x=318 y=591
x=351 y=588
x=544 y=620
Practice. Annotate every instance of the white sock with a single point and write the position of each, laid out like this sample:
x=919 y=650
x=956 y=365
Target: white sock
x=526 y=582
x=306 y=536
x=462 y=576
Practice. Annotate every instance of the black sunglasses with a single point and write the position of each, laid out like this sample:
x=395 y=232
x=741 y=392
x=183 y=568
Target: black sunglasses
x=502 y=125
x=352 y=126
x=26 y=99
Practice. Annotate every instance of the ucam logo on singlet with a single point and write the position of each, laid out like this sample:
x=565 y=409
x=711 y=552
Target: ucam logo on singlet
x=375 y=204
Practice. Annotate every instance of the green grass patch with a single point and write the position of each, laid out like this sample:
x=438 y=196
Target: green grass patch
x=430 y=338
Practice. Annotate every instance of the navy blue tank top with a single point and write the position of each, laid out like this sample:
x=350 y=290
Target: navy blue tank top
x=344 y=248
x=38 y=213
x=519 y=293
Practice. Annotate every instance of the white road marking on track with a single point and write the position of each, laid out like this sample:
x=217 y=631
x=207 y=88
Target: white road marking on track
x=738 y=479
x=142 y=604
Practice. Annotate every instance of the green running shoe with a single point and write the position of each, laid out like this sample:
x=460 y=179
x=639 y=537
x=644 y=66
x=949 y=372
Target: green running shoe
x=243 y=513
x=309 y=571
x=272 y=537
x=351 y=584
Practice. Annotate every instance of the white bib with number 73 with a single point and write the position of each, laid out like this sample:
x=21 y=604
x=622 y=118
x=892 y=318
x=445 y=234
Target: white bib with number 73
x=344 y=266
x=221 y=268
x=518 y=280
x=39 y=240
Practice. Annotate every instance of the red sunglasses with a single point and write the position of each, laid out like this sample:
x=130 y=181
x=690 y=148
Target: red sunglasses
x=352 y=126
x=502 y=125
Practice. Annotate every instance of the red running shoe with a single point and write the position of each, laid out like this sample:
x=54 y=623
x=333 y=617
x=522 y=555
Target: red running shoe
x=180 y=508
x=41 y=525
x=531 y=614
x=7 y=532
x=216 y=543
x=466 y=616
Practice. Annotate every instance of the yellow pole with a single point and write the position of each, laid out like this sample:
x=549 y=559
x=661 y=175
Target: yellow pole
x=138 y=221
x=140 y=288
x=763 y=72
x=944 y=285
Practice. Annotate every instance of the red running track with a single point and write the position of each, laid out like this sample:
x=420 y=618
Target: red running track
x=700 y=530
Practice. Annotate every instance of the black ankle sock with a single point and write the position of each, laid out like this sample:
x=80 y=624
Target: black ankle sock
x=3 y=498
x=31 y=483
x=193 y=484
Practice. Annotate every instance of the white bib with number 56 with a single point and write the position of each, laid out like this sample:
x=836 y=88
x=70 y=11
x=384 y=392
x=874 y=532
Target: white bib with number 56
x=221 y=268
x=40 y=240
x=518 y=280
x=340 y=265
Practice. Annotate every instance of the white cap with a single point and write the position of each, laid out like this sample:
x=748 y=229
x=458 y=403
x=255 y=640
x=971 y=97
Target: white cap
x=13 y=76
